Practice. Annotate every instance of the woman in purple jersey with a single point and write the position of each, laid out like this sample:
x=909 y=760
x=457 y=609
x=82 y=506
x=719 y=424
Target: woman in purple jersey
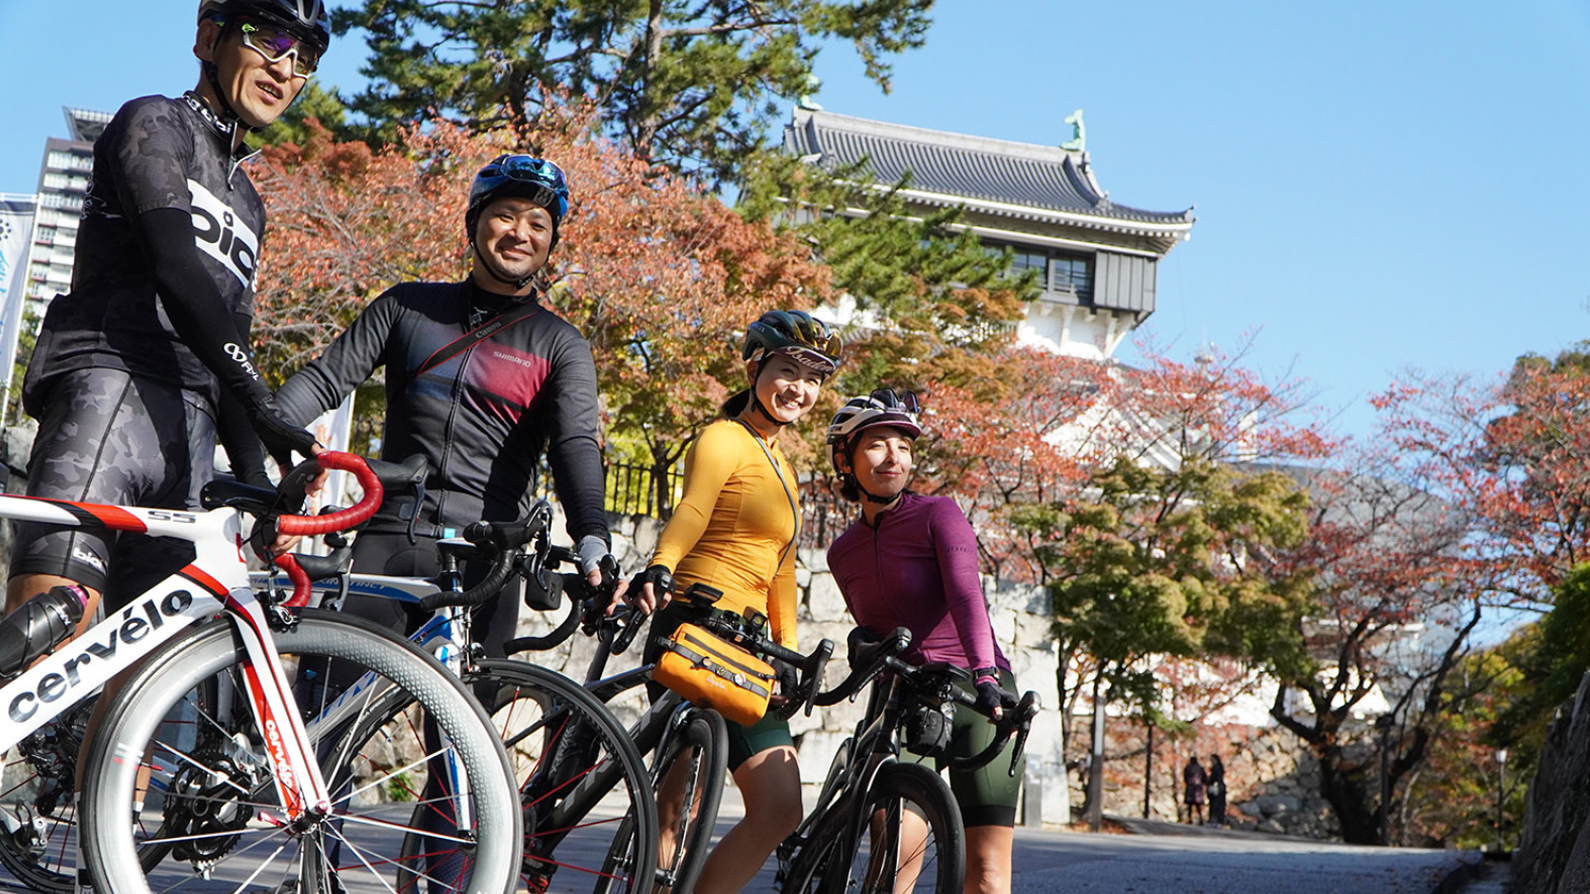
x=911 y=561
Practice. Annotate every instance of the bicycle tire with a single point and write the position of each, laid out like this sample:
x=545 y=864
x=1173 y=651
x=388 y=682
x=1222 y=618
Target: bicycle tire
x=702 y=743
x=833 y=862
x=216 y=810
x=584 y=790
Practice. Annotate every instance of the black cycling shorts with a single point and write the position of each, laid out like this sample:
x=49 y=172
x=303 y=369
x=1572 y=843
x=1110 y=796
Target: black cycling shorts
x=110 y=437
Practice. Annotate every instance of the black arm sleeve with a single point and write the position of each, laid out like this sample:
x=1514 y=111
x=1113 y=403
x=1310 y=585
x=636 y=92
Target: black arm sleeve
x=343 y=366
x=574 y=449
x=243 y=448
x=201 y=319
x=195 y=306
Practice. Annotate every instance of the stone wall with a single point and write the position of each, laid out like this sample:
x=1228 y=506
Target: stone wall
x=1554 y=849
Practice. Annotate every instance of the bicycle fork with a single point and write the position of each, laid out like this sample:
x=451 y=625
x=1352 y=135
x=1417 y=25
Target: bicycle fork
x=294 y=768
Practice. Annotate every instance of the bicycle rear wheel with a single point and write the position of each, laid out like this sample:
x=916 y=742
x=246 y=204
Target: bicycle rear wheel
x=911 y=840
x=590 y=819
x=37 y=814
x=209 y=798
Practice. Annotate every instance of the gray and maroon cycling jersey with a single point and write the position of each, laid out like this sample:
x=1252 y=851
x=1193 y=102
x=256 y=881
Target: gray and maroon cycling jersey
x=481 y=418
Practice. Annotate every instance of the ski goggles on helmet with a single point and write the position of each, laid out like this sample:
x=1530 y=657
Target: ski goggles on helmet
x=276 y=43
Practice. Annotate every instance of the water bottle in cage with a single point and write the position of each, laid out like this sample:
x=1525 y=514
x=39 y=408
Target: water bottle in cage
x=38 y=626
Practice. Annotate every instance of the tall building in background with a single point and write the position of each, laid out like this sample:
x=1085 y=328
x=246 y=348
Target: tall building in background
x=63 y=183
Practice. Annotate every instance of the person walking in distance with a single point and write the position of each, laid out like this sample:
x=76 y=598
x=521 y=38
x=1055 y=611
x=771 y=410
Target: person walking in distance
x=1195 y=782
x=1217 y=791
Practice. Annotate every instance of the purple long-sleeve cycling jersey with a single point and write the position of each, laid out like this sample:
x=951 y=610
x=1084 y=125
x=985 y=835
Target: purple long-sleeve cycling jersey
x=918 y=569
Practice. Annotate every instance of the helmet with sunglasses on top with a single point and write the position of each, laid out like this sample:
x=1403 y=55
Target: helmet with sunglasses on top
x=523 y=177
x=306 y=20
x=881 y=407
x=794 y=333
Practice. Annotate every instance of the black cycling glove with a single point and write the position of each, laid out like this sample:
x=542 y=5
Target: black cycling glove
x=858 y=638
x=991 y=695
x=786 y=694
x=660 y=578
x=280 y=436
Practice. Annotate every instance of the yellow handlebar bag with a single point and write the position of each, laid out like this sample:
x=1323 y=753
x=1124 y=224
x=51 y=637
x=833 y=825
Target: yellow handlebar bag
x=710 y=671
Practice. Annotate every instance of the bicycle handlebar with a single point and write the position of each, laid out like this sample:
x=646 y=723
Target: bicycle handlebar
x=502 y=540
x=357 y=514
x=310 y=525
x=876 y=658
x=812 y=665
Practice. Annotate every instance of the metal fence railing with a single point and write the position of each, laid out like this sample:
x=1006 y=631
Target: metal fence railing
x=639 y=490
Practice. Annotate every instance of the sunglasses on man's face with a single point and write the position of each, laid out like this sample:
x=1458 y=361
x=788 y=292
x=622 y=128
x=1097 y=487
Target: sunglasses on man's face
x=275 y=44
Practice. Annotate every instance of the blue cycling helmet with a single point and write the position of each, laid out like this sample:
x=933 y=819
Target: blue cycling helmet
x=519 y=176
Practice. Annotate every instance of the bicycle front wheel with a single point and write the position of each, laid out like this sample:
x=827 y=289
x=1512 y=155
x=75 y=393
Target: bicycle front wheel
x=208 y=798
x=695 y=759
x=590 y=818
x=911 y=839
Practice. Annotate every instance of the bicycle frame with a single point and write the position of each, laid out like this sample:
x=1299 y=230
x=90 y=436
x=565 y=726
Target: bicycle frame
x=434 y=636
x=215 y=583
x=576 y=797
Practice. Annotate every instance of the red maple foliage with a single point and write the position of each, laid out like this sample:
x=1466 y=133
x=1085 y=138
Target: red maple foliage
x=661 y=278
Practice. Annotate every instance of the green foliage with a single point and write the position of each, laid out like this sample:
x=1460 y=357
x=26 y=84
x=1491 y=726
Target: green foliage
x=1157 y=562
x=27 y=337
x=314 y=102
x=692 y=85
x=1453 y=800
x=1553 y=658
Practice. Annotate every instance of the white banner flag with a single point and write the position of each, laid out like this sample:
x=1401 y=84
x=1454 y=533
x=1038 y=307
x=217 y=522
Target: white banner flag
x=16 y=235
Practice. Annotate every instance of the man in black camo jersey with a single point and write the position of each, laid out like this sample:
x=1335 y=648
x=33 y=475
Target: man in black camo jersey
x=146 y=361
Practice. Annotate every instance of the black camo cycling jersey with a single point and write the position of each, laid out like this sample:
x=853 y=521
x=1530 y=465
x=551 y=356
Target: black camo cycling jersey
x=156 y=153
x=482 y=418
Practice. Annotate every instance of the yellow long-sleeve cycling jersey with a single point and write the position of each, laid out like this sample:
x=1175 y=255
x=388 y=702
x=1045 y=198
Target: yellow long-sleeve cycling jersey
x=733 y=529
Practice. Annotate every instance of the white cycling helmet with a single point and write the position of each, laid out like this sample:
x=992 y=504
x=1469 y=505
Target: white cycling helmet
x=881 y=407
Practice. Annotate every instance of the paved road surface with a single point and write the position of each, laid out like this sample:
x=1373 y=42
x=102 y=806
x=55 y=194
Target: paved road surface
x=1165 y=858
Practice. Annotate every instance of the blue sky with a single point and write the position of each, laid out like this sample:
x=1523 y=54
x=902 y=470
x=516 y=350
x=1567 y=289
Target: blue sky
x=1378 y=186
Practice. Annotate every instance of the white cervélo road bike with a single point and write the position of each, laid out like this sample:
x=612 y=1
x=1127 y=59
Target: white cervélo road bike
x=225 y=761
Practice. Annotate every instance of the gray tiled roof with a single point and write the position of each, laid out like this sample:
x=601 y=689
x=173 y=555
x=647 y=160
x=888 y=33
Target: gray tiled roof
x=1042 y=178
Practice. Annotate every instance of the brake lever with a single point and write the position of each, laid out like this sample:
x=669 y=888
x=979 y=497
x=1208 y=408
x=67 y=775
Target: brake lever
x=1026 y=711
x=819 y=660
x=628 y=626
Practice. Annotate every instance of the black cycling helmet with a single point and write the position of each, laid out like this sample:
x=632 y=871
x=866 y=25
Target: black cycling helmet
x=307 y=19
x=881 y=407
x=796 y=333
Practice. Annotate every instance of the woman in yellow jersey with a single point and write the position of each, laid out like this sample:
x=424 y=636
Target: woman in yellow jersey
x=735 y=529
